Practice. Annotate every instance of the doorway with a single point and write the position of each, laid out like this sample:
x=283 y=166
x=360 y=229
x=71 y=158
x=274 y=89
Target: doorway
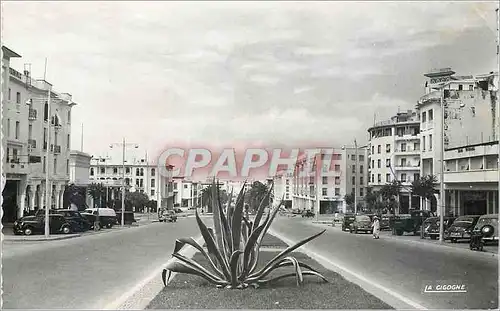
x=10 y=203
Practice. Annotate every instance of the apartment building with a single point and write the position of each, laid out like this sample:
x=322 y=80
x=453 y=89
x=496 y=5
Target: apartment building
x=394 y=154
x=79 y=168
x=187 y=193
x=470 y=139
x=283 y=187
x=27 y=129
x=139 y=173
x=330 y=190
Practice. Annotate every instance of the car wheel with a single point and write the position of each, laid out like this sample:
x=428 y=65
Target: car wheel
x=28 y=231
x=66 y=230
x=399 y=232
x=433 y=237
x=453 y=240
x=109 y=226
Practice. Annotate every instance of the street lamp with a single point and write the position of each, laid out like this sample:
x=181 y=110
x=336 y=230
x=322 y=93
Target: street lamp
x=355 y=176
x=123 y=145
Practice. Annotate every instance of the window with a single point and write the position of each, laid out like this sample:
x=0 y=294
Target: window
x=361 y=169
x=353 y=180
x=137 y=182
x=127 y=181
x=91 y=171
x=403 y=162
x=388 y=177
x=67 y=167
x=55 y=139
x=17 y=129
x=403 y=177
x=137 y=172
x=287 y=188
x=460 y=87
x=471 y=87
x=388 y=163
x=361 y=192
x=373 y=149
x=8 y=127
x=115 y=170
x=403 y=146
x=127 y=170
x=152 y=182
x=361 y=180
x=416 y=146
x=337 y=191
x=325 y=180
x=142 y=172
x=287 y=181
x=103 y=170
x=430 y=142
x=69 y=116
x=361 y=158
x=44 y=164
x=379 y=163
x=69 y=142
x=373 y=177
x=379 y=148
x=354 y=169
x=424 y=117
x=379 y=178
x=18 y=98
x=141 y=183
x=185 y=186
x=388 y=148
x=416 y=176
x=353 y=191
x=353 y=157
x=55 y=166
x=14 y=155
x=175 y=186
x=152 y=192
x=30 y=131
x=46 y=112
x=324 y=191
x=153 y=172
x=337 y=180
x=10 y=93
x=337 y=168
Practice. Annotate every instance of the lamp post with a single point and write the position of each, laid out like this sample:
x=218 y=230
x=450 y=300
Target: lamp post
x=355 y=176
x=123 y=145
x=48 y=187
x=441 y=176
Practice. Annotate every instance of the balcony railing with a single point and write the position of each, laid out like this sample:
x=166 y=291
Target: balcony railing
x=32 y=114
x=32 y=143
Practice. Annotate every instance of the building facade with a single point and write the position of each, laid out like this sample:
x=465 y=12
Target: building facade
x=394 y=154
x=283 y=187
x=466 y=105
x=34 y=141
x=79 y=168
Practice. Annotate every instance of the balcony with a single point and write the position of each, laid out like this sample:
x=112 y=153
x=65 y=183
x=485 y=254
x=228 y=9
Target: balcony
x=32 y=114
x=14 y=166
x=407 y=151
x=31 y=143
x=472 y=176
x=407 y=136
x=407 y=167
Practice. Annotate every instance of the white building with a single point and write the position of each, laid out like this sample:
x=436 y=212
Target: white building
x=471 y=139
x=331 y=190
x=187 y=193
x=79 y=168
x=283 y=187
x=26 y=125
x=394 y=154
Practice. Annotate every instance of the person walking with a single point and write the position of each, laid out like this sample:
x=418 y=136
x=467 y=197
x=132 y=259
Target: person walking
x=376 y=227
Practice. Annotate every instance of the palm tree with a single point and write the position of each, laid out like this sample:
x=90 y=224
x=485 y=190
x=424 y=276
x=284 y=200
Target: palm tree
x=349 y=199
x=425 y=187
x=206 y=197
x=96 y=191
x=256 y=194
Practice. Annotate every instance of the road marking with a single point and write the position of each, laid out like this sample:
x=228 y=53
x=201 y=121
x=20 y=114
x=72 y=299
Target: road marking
x=343 y=269
x=118 y=303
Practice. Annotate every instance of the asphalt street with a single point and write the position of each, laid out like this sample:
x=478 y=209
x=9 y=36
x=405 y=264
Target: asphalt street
x=86 y=272
x=403 y=267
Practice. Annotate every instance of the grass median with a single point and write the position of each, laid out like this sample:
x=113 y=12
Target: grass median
x=192 y=292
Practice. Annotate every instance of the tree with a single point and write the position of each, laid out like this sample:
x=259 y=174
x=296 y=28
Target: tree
x=349 y=199
x=138 y=200
x=389 y=192
x=75 y=195
x=370 y=198
x=206 y=197
x=256 y=194
x=425 y=187
x=97 y=192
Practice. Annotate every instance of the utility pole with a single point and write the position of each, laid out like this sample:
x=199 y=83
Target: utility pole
x=498 y=103
x=48 y=188
x=441 y=166
x=147 y=180
x=81 y=140
x=355 y=176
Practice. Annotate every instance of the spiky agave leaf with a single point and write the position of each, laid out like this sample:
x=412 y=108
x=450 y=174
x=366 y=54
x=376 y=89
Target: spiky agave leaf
x=229 y=208
x=249 y=248
x=234 y=267
x=285 y=262
x=261 y=208
x=179 y=244
x=283 y=254
x=269 y=220
x=236 y=224
x=181 y=267
x=217 y=220
x=224 y=226
x=263 y=282
x=211 y=247
x=164 y=276
x=196 y=265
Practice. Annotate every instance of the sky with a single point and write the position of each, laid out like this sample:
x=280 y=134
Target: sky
x=268 y=73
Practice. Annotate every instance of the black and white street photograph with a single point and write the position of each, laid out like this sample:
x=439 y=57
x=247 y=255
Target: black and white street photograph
x=254 y=155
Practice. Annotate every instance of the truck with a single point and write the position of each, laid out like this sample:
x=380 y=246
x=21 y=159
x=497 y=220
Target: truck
x=411 y=222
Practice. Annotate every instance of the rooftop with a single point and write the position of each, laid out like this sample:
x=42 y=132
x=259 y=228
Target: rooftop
x=8 y=53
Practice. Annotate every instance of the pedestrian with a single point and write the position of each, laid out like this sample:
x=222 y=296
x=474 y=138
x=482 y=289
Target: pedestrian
x=376 y=227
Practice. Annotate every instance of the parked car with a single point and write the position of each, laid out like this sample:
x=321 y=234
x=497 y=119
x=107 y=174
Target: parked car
x=107 y=216
x=307 y=214
x=129 y=217
x=178 y=210
x=384 y=221
x=79 y=222
x=489 y=219
x=36 y=224
x=346 y=222
x=167 y=216
x=361 y=223
x=411 y=222
x=462 y=227
x=430 y=227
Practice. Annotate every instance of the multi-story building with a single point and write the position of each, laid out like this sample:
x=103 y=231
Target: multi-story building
x=470 y=139
x=283 y=187
x=330 y=190
x=139 y=174
x=394 y=154
x=27 y=129
x=79 y=168
x=187 y=193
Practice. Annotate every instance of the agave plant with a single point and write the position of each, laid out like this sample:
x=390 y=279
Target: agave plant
x=233 y=247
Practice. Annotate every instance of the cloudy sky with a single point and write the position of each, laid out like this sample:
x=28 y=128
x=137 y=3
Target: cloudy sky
x=249 y=72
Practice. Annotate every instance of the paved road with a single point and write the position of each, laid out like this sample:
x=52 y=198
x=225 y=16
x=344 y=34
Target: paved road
x=86 y=272
x=405 y=267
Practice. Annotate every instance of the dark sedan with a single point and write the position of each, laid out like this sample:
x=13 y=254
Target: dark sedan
x=36 y=224
x=430 y=227
x=461 y=228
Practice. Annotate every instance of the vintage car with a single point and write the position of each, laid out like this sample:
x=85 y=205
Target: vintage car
x=430 y=227
x=462 y=227
x=361 y=223
x=107 y=216
x=491 y=220
x=307 y=214
x=409 y=222
x=165 y=215
x=346 y=222
x=36 y=224
x=78 y=222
